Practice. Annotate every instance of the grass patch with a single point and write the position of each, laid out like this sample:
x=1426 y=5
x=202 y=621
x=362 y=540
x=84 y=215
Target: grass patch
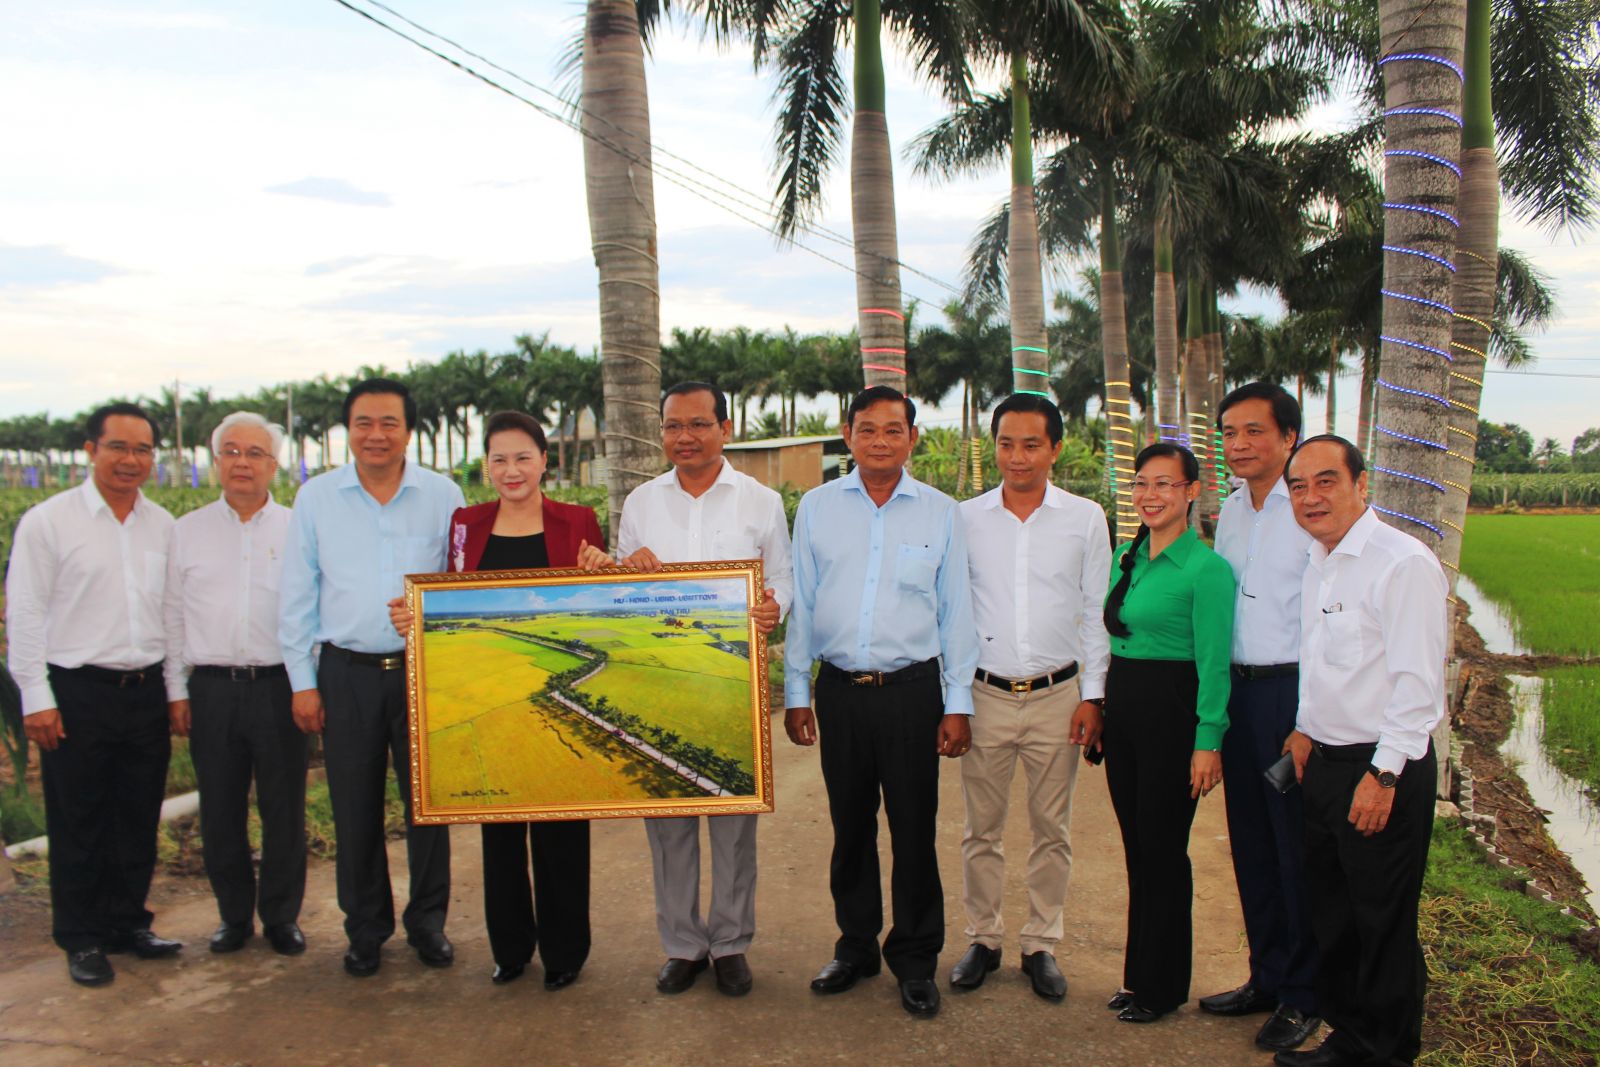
x=704 y=708
x=1546 y=568
x=1505 y=984
x=1571 y=707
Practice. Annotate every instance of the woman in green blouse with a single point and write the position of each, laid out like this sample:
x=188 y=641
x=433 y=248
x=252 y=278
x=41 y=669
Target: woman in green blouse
x=1170 y=616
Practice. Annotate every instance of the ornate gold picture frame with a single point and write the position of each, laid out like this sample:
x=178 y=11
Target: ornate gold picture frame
x=568 y=694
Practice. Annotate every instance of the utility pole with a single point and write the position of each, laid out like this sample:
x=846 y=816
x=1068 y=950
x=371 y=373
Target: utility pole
x=177 y=431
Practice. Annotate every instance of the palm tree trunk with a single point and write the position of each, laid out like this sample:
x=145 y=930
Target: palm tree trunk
x=1421 y=176
x=1368 y=385
x=879 y=316
x=1333 y=375
x=1197 y=391
x=561 y=442
x=1477 y=257
x=622 y=229
x=1166 y=331
x=1114 y=346
x=1030 y=353
x=1216 y=381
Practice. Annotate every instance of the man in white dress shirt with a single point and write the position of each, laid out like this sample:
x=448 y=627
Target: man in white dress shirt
x=228 y=691
x=83 y=614
x=1039 y=562
x=1373 y=622
x=702 y=509
x=1258 y=536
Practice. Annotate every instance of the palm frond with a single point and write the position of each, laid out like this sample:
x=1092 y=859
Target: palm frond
x=967 y=140
x=811 y=117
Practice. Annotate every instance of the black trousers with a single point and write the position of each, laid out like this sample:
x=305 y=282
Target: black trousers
x=241 y=730
x=884 y=741
x=103 y=787
x=1149 y=742
x=1364 y=893
x=1266 y=832
x=551 y=914
x=364 y=731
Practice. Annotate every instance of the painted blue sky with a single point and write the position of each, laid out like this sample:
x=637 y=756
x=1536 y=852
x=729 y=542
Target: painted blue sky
x=235 y=193
x=691 y=594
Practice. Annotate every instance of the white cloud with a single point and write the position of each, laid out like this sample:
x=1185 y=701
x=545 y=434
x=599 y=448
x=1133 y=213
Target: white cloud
x=333 y=190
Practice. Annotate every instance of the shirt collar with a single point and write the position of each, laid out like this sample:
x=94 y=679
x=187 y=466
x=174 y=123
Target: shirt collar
x=348 y=478
x=907 y=486
x=96 y=503
x=233 y=516
x=1355 y=539
x=1179 y=551
x=1054 y=497
x=725 y=476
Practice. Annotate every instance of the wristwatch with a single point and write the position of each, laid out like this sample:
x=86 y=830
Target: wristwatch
x=1099 y=702
x=1386 y=779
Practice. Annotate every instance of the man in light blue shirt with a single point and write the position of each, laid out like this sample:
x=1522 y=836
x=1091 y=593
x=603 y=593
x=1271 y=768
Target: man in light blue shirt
x=881 y=601
x=356 y=532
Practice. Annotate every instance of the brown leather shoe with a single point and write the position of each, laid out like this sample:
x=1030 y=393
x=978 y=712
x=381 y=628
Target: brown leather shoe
x=733 y=975
x=678 y=975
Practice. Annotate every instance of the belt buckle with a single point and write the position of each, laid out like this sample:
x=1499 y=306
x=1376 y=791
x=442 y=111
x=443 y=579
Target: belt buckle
x=241 y=674
x=130 y=678
x=866 y=678
x=1022 y=687
x=391 y=663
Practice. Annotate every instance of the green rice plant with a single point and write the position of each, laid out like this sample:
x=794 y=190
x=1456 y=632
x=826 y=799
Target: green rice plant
x=1571 y=707
x=1546 y=568
x=1535 y=490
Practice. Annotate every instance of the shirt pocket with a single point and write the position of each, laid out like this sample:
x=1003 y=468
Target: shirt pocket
x=417 y=555
x=1343 y=646
x=917 y=569
x=155 y=572
x=736 y=542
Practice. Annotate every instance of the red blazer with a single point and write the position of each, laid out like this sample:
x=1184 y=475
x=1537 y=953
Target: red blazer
x=565 y=525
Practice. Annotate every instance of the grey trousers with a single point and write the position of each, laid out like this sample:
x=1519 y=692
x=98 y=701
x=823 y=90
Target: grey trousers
x=242 y=730
x=675 y=855
x=365 y=729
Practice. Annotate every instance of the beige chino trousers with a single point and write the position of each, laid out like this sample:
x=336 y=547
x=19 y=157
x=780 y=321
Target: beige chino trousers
x=1033 y=728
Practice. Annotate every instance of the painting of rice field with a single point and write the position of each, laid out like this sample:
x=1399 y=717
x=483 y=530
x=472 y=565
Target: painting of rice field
x=571 y=694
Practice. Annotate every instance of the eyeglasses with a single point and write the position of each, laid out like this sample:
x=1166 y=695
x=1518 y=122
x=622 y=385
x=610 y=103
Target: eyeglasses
x=1160 y=485
x=698 y=427
x=254 y=455
x=121 y=449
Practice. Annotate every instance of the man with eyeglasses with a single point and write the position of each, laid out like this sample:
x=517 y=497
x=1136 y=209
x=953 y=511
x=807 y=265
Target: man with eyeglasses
x=357 y=531
x=228 y=691
x=1258 y=536
x=702 y=509
x=83 y=615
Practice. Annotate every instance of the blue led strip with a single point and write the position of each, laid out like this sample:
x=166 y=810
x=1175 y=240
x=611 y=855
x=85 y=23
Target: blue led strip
x=1423 y=441
x=1412 y=153
x=1435 y=212
x=1446 y=308
x=1418 y=345
x=1410 y=477
x=1414 y=392
x=1412 y=518
x=1429 y=256
x=1423 y=57
x=1437 y=112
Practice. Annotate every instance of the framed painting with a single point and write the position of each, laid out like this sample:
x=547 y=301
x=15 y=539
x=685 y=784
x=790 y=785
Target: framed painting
x=568 y=694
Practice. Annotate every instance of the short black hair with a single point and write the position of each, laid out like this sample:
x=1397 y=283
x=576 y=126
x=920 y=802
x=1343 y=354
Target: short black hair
x=1029 y=404
x=1285 y=409
x=96 y=423
x=380 y=386
x=877 y=394
x=719 y=399
x=1353 y=460
x=501 y=421
x=1191 y=466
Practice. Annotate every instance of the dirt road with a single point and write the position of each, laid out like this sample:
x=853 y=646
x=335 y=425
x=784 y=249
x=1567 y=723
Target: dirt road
x=256 y=1008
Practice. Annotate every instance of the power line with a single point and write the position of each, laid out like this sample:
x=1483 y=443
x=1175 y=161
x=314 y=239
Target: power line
x=1540 y=374
x=715 y=197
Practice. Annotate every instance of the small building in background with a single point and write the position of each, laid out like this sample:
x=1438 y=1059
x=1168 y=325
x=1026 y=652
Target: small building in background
x=800 y=462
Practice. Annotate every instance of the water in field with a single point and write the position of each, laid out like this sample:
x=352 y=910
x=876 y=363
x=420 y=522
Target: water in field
x=1493 y=622
x=1574 y=819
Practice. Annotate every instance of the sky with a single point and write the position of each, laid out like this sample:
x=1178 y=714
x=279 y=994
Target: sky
x=232 y=194
x=602 y=594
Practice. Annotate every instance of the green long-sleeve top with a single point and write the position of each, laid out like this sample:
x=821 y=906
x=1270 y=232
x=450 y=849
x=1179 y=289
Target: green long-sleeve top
x=1180 y=606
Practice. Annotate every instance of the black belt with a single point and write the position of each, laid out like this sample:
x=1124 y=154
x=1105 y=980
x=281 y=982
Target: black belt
x=1028 y=685
x=1269 y=670
x=904 y=674
x=384 y=661
x=240 y=674
x=1346 y=753
x=109 y=676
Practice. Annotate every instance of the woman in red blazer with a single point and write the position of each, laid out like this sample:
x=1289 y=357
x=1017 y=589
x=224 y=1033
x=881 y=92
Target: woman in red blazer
x=524 y=530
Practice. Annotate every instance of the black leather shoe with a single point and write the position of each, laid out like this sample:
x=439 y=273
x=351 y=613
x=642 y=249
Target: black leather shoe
x=1246 y=1000
x=554 y=980
x=1287 y=1029
x=1324 y=1055
x=286 y=939
x=839 y=975
x=920 y=996
x=433 y=948
x=507 y=972
x=733 y=975
x=361 y=961
x=1133 y=1013
x=144 y=944
x=677 y=975
x=1042 y=969
x=230 y=937
x=972 y=968
x=89 y=967
x=1119 y=1000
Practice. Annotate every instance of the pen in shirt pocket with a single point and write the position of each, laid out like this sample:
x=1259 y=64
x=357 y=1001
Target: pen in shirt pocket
x=1333 y=609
